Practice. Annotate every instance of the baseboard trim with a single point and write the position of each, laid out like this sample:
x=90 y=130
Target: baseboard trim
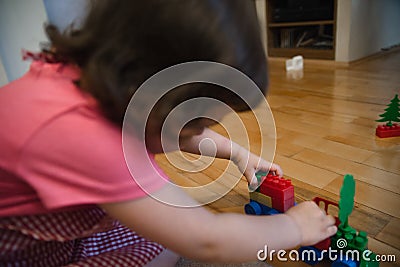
x=339 y=64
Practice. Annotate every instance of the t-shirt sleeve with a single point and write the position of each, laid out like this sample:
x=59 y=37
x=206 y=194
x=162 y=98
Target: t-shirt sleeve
x=77 y=159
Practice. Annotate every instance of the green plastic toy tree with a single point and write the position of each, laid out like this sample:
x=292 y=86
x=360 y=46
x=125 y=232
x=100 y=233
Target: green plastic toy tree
x=392 y=112
x=346 y=202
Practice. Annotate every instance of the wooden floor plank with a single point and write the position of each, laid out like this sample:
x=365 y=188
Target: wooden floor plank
x=370 y=175
x=333 y=148
x=371 y=143
x=316 y=176
x=391 y=233
x=372 y=196
x=383 y=249
x=385 y=160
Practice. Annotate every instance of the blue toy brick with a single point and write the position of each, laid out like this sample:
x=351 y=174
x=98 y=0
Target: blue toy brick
x=253 y=208
x=344 y=263
x=310 y=255
x=271 y=211
x=256 y=208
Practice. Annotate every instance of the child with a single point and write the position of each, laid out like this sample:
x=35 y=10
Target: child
x=66 y=194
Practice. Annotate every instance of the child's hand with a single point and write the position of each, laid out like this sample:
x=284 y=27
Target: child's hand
x=313 y=223
x=249 y=164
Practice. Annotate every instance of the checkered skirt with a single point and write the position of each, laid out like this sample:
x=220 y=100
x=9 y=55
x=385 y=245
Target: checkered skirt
x=84 y=237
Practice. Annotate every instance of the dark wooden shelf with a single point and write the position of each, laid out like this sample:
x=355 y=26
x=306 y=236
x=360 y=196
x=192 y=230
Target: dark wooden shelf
x=305 y=52
x=303 y=33
x=302 y=23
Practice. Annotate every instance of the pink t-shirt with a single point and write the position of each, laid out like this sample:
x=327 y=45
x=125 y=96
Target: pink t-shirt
x=56 y=149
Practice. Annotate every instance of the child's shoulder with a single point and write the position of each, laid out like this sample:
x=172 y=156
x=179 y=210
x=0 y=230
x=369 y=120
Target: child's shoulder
x=45 y=93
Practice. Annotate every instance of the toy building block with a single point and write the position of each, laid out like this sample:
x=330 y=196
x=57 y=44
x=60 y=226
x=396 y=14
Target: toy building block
x=369 y=261
x=384 y=131
x=260 y=198
x=391 y=114
x=346 y=202
x=275 y=186
x=326 y=204
x=282 y=205
x=361 y=240
x=346 y=239
x=260 y=177
x=280 y=190
x=256 y=208
x=326 y=243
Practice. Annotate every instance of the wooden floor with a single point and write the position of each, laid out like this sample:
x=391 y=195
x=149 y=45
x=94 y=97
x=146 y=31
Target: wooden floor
x=325 y=125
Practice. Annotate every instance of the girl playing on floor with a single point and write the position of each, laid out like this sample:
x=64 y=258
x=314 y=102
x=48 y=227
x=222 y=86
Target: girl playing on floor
x=67 y=196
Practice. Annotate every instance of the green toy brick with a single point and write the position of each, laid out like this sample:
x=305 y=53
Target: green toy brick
x=346 y=203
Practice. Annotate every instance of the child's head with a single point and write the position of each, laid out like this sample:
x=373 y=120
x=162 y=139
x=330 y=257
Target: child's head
x=122 y=43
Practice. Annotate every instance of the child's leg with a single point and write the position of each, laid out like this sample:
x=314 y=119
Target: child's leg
x=118 y=246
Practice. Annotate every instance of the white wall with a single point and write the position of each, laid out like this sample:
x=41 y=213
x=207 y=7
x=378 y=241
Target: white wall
x=374 y=25
x=364 y=27
x=262 y=18
x=343 y=23
x=3 y=76
x=21 y=26
x=62 y=13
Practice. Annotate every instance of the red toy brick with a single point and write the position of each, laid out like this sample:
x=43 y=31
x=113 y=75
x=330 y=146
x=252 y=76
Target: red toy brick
x=319 y=200
x=384 y=131
x=280 y=190
x=282 y=206
x=325 y=244
x=275 y=186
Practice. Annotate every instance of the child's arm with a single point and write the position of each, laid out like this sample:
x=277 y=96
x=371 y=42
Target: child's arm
x=202 y=235
x=247 y=162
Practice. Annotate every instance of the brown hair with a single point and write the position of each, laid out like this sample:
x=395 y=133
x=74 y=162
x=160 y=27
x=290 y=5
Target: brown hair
x=122 y=43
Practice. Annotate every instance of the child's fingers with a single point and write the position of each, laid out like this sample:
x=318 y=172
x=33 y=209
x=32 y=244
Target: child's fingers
x=331 y=230
x=277 y=169
x=253 y=184
x=250 y=175
x=268 y=166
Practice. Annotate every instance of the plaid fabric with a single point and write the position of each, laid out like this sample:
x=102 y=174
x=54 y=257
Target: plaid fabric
x=85 y=237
